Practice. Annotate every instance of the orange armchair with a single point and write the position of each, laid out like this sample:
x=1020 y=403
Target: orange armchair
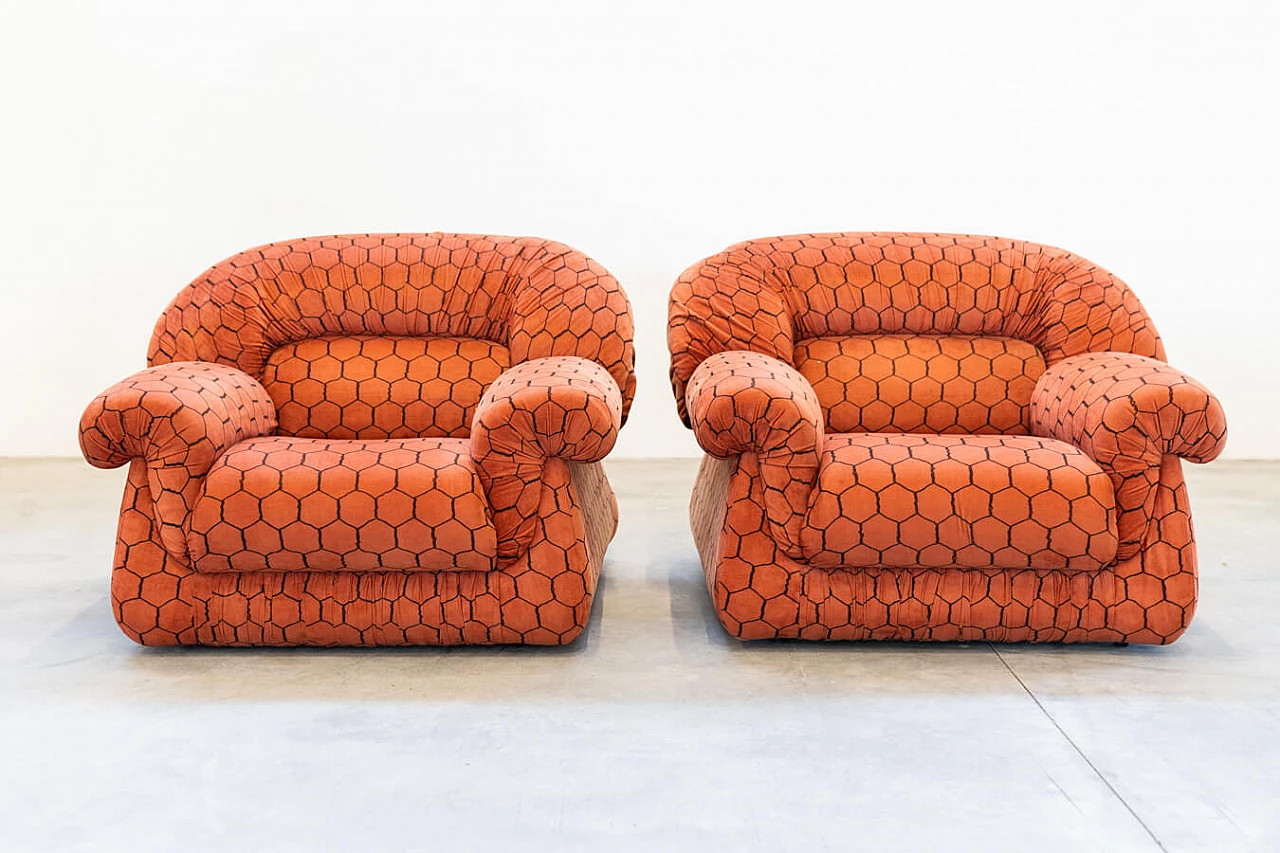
x=935 y=437
x=371 y=440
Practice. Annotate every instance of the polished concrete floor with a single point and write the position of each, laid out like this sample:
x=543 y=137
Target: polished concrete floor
x=654 y=732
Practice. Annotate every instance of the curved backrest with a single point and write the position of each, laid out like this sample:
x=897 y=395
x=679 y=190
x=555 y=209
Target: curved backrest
x=930 y=332
x=392 y=335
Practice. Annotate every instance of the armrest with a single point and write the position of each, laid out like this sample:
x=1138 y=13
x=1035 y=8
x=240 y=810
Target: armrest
x=178 y=418
x=561 y=407
x=1127 y=413
x=1117 y=406
x=743 y=402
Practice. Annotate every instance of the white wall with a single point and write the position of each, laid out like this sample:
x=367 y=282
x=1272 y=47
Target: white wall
x=138 y=147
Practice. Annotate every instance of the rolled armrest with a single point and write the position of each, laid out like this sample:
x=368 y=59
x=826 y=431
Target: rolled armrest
x=178 y=418
x=744 y=402
x=561 y=407
x=747 y=403
x=180 y=413
x=1127 y=413
x=1122 y=405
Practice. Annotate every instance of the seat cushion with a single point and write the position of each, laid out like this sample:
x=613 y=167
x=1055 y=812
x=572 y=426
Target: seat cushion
x=294 y=504
x=381 y=387
x=944 y=501
x=954 y=384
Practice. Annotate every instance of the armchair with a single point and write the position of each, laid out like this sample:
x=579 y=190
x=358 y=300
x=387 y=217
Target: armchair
x=371 y=440
x=935 y=437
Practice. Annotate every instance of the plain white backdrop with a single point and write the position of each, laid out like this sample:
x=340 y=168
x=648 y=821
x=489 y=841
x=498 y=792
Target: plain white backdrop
x=142 y=142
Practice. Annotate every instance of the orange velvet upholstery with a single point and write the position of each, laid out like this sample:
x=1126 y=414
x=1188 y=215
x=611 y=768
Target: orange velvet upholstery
x=297 y=504
x=381 y=387
x=304 y=467
x=551 y=408
x=974 y=502
x=918 y=383
x=935 y=437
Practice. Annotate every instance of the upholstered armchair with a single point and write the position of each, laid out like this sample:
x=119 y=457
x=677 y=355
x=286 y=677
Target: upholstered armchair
x=371 y=440
x=935 y=437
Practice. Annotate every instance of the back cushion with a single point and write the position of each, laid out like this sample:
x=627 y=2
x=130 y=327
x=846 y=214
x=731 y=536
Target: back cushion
x=381 y=387
x=922 y=383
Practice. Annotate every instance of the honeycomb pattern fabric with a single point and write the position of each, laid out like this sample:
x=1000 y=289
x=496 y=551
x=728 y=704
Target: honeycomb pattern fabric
x=381 y=522
x=919 y=383
x=743 y=402
x=760 y=593
x=178 y=418
x=559 y=407
x=1070 y=559
x=289 y=504
x=1129 y=413
x=926 y=501
x=388 y=387
x=767 y=295
x=535 y=297
x=543 y=597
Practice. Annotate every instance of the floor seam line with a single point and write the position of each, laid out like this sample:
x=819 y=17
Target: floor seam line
x=1078 y=750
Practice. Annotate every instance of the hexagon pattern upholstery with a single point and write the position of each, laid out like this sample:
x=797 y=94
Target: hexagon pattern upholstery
x=371 y=440
x=294 y=504
x=935 y=437
x=942 y=501
x=381 y=387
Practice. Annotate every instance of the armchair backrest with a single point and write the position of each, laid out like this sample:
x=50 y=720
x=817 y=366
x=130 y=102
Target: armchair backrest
x=905 y=332
x=396 y=335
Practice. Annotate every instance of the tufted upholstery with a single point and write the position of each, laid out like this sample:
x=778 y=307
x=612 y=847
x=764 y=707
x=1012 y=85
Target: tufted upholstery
x=924 y=436
x=304 y=469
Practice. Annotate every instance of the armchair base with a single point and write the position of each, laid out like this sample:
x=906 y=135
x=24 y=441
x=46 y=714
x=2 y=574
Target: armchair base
x=541 y=597
x=759 y=592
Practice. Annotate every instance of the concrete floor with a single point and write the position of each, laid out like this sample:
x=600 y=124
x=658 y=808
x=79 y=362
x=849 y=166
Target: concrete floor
x=653 y=732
